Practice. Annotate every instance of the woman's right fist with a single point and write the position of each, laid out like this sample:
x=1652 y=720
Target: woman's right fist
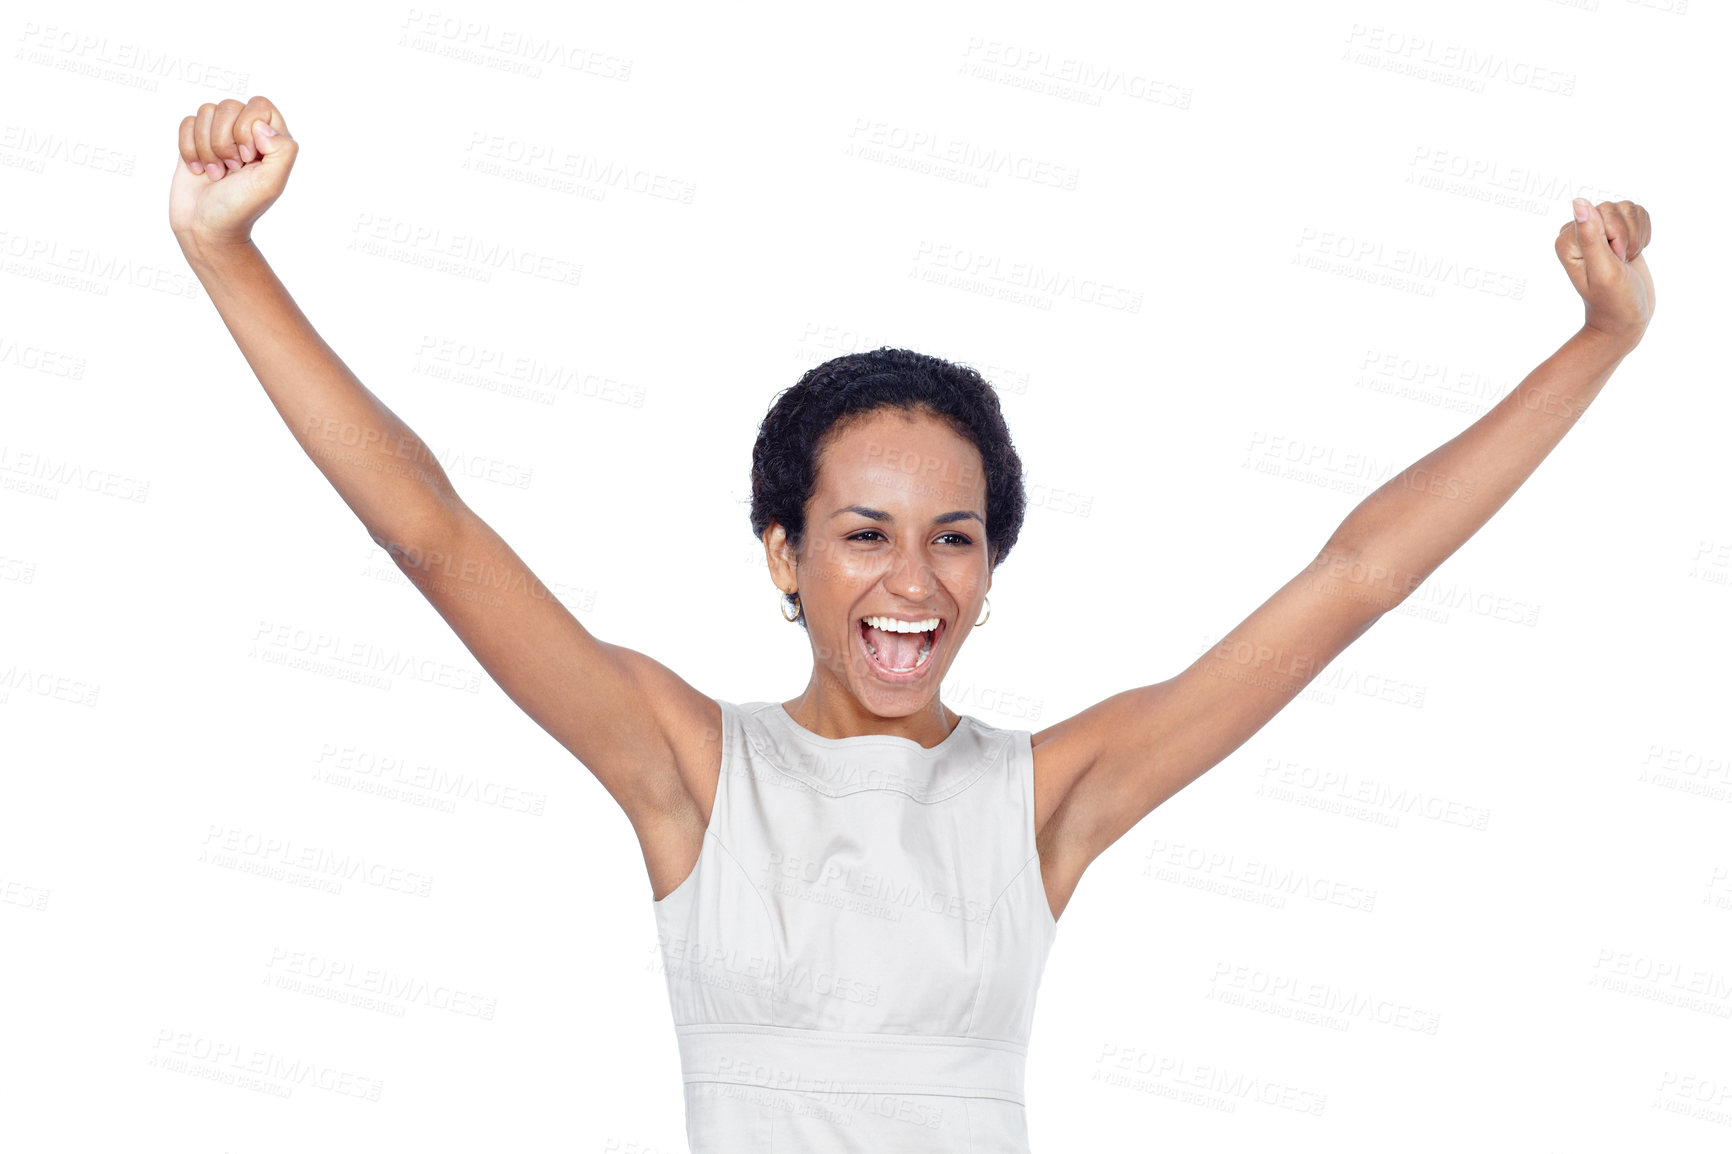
x=234 y=161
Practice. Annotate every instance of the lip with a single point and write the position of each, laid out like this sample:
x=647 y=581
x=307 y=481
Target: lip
x=913 y=675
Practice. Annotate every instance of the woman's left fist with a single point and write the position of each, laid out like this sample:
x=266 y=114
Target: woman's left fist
x=1602 y=251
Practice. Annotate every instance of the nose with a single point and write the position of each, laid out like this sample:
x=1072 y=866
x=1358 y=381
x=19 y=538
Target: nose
x=910 y=577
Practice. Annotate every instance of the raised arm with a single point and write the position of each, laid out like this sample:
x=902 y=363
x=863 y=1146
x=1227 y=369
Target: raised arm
x=652 y=740
x=1106 y=768
x=1406 y=529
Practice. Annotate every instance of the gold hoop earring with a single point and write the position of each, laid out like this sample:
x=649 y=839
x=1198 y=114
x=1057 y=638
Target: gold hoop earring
x=787 y=600
x=982 y=621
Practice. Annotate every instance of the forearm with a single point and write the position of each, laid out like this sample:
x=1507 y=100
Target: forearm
x=376 y=462
x=1399 y=534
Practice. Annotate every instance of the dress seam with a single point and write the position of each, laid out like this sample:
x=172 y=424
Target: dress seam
x=730 y=745
x=979 y=729
x=986 y=938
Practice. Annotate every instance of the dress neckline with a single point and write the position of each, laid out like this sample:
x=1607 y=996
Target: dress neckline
x=838 y=766
x=781 y=712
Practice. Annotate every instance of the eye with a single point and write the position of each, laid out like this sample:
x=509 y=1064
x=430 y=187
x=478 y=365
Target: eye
x=960 y=539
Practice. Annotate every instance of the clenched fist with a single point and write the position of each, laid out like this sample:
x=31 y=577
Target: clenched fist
x=234 y=161
x=1602 y=252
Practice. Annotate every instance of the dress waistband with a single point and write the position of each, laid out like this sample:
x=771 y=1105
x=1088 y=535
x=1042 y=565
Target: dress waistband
x=832 y=1061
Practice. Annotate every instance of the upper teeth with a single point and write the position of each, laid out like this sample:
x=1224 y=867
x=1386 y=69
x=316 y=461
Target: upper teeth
x=891 y=625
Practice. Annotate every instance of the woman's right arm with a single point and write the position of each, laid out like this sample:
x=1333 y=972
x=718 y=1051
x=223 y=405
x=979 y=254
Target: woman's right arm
x=652 y=740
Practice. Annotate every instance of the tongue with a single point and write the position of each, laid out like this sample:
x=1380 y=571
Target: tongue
x=895 y=650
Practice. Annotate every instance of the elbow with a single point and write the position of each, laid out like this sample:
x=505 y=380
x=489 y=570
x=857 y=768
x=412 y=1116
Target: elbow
x=418 y=542
x=1371 y=581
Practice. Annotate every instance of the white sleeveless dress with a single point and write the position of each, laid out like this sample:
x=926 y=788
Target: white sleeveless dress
x=854 y=960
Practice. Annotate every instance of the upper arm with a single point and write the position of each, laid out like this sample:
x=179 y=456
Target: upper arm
x=1121 y=758
x=645 y=734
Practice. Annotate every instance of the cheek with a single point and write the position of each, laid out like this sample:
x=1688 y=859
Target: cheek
x=843 y=565
x=841 y=649
x=964 y=578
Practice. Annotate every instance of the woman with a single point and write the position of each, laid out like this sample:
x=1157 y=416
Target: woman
x=857 y=889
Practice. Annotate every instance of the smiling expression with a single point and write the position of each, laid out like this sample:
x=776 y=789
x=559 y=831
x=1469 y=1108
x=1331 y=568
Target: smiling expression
x=895 y=529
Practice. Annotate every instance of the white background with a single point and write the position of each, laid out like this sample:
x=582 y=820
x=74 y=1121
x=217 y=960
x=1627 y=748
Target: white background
x=1256 y=173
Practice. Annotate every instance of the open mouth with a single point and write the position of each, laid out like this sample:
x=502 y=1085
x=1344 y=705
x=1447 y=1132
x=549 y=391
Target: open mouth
x=899 y=650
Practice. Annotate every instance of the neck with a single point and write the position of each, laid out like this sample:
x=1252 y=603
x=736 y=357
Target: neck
x=828 y=709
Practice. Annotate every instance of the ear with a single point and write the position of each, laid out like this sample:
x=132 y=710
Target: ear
x=780 y=556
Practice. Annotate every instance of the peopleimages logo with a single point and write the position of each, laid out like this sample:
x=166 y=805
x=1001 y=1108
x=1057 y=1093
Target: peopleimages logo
x=1031 y=281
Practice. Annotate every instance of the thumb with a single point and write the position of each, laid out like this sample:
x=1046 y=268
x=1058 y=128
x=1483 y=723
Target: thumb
x=269 y=141
x=1597 y=255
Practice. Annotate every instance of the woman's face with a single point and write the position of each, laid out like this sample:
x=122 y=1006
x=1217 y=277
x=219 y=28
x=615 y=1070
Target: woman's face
x=895 y=527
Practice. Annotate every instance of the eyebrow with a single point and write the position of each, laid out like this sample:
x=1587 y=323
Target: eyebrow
x=881 y=515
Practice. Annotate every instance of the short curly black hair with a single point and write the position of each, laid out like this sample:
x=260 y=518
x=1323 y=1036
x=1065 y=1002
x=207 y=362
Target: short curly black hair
x=785 y=457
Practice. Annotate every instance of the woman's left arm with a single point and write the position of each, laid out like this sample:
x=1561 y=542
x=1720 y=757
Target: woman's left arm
x=1110 y=765
x=1410 y=526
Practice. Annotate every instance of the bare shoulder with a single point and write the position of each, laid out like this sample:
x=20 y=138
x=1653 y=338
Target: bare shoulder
x=1063 y=753
x=692 y=724
x=671 y=828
